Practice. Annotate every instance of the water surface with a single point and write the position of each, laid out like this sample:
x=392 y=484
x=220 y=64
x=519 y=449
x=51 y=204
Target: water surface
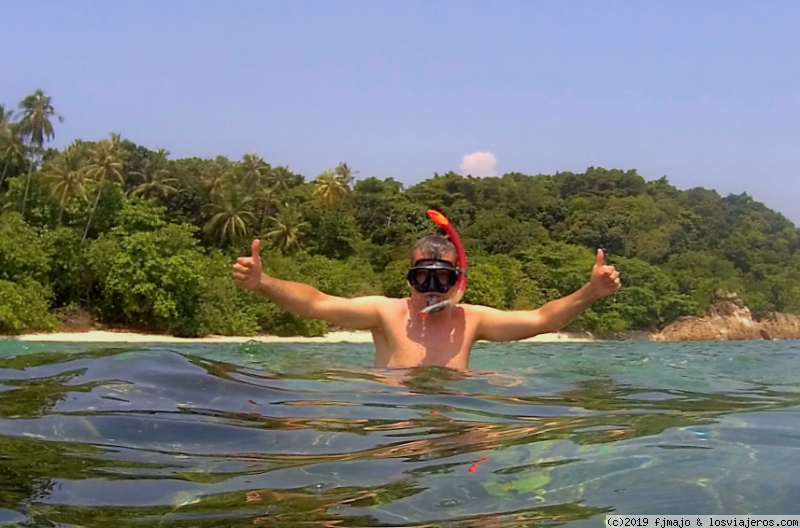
x=309 y=435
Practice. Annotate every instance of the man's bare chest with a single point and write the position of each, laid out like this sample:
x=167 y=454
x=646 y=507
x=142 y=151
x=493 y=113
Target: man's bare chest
x=443 y=339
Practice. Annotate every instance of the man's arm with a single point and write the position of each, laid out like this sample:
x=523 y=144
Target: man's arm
x=306 y=301
x=499 y=325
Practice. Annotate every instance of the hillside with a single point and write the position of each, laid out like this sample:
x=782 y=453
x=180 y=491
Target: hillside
x=111 y=231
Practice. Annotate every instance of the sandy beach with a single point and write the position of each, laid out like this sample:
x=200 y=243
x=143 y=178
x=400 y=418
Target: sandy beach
x=106 y=336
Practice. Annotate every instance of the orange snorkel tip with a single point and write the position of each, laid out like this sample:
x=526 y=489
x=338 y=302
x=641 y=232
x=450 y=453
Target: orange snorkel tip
x=438 y=218
x=461 y=284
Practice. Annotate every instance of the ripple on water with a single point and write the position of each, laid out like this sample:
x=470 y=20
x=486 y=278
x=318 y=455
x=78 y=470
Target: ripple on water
x=211 y=435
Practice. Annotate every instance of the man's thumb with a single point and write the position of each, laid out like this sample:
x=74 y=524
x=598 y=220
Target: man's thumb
x=256 y=248
x=601 y=258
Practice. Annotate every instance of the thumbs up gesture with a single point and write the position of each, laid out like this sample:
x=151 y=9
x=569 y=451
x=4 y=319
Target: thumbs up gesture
x=605 y=279
x=247 y=270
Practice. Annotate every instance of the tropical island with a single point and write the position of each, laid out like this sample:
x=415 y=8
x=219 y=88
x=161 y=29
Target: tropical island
x=110 y=233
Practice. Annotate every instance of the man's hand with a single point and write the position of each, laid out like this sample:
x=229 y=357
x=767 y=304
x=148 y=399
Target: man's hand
x=247 y=270
x=605 y=279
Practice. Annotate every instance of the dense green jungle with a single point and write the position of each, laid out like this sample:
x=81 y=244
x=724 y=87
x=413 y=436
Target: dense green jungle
x=110 y=232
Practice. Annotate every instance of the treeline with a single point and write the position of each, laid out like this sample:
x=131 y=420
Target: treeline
x=110 y=231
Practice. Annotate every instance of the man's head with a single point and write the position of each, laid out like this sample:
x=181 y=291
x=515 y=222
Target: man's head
x=433 y=265
x=437 y=247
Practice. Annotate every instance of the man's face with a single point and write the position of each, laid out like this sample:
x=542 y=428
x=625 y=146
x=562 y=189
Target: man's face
x=431 y=276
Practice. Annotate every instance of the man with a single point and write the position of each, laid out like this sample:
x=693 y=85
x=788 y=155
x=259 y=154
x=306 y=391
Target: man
x=402 y=338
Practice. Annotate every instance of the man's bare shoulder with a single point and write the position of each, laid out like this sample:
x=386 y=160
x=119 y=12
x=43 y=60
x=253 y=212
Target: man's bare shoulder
x=480 y=313
x=384 y=303
x=390 y=310
x=474 y=310
x=380 y=299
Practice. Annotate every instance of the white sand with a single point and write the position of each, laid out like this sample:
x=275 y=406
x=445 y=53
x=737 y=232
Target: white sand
x=104 y=336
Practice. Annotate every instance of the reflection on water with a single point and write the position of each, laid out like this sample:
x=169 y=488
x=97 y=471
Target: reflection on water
x=243 y=435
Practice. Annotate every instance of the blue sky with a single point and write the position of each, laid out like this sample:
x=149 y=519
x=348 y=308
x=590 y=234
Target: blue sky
x=706 y=93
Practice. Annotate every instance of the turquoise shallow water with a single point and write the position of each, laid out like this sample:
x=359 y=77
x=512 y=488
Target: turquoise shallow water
x=310 y=435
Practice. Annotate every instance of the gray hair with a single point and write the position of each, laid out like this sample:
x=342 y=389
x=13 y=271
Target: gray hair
x=433 y=246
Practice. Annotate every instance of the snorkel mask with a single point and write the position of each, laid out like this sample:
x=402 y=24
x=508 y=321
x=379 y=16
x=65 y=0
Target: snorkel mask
x=432 y=275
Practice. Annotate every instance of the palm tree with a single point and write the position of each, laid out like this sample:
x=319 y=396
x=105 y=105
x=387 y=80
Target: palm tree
x=253 y=170
x=155 y=176
x=5 y=115
x=35 y=125
x=345 y=173
x=287 y=229
x=66 y=177
x=229 y=216
x=266 y=205
x=216 y=180
x=329 y=188
x=281 y=178
x=106 y=160
x=11 y=147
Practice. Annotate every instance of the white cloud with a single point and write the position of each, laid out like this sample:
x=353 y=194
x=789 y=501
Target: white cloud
x=479 y=164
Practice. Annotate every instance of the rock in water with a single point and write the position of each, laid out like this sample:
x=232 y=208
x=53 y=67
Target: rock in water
x=729 y=319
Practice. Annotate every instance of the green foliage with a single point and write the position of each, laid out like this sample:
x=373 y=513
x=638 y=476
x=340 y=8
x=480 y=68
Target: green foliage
x=67 y=273
x=497 y=233
x=602 y=320
x=650 y=297
x=698 y=274
x=24 y=308
x=224 y=309
x=394 y=280
x=150 y=272
x=454 y=195
x=485 y=286
x=88 y=234
x=41 y=208
x=106 y=207
x=334 y=235
x=22 y=255
x=771 y=288
x=601 y=182
x=230 y=215
x=385 y=215
x=502 y=274
x=558 y=268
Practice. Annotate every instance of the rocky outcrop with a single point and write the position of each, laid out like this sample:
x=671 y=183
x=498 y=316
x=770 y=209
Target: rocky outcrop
x=729 y=319
x=782 y=326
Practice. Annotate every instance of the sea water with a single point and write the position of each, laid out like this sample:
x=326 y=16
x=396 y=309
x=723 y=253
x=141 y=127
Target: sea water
x=310 y=435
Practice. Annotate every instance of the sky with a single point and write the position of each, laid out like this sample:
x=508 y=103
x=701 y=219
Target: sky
x=704 y=93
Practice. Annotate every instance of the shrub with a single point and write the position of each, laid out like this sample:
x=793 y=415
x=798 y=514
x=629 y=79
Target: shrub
x=21 y=253
x=224 y=308
x=149 y=278
x=394 y=282
x=24 y=308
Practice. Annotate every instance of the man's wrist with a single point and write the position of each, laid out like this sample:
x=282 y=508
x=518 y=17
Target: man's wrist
x=262 y=285
x=590 y=293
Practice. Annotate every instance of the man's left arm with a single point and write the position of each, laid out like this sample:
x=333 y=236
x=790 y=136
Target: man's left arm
x=499 y=325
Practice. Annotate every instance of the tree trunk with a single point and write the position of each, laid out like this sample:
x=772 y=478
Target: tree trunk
x=3 y=177
x=27 y=186
x=94 y=208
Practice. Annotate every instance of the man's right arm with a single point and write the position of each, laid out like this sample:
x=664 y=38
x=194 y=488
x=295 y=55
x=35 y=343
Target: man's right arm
x=361 y=313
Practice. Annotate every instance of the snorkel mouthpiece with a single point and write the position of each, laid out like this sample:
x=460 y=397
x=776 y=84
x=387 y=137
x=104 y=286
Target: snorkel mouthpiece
x=434 y=304
x=433 y=300
x=434 y=307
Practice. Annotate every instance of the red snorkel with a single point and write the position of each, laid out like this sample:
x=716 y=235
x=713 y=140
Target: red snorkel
x=461 y=283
